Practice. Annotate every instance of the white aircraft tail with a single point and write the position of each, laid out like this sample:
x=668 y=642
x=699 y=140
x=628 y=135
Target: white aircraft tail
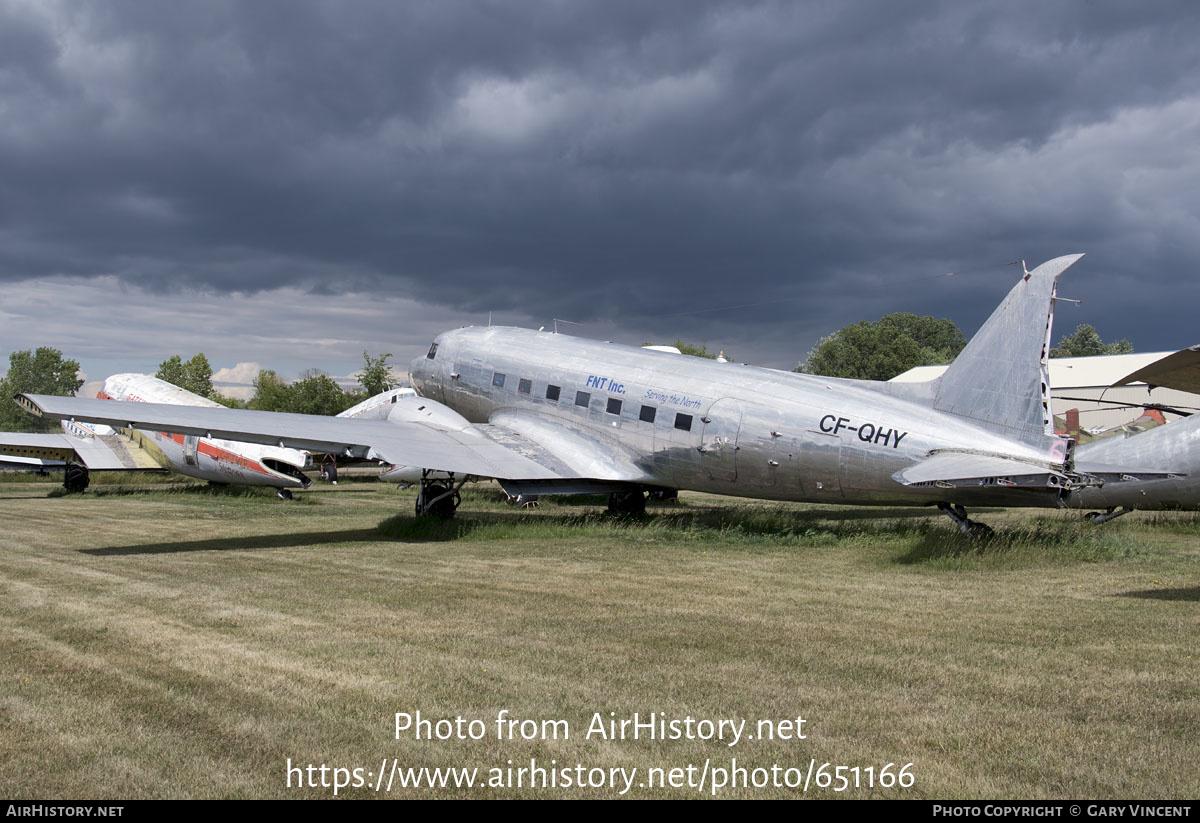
x=1000 y=379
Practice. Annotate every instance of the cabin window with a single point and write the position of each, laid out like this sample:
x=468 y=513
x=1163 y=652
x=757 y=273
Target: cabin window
x=683 y=422
x=614 y=406
x=552 y=393
x=582 y=398
x=394 y=396
x=498 y=380
x=647 y=414
x=432 y=352
x=525 y=386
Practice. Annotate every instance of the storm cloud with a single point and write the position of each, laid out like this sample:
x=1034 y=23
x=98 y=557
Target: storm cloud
x=748 y=175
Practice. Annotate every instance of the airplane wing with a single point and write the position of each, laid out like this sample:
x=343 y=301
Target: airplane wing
x=481 y=450
x=100 y=453
x=1179 y=371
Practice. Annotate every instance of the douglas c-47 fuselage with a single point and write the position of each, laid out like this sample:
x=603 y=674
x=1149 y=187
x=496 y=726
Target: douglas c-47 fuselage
x=545 y=413
x=685 y=422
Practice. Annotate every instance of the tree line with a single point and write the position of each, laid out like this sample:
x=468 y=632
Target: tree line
x=46 y=371
x=898 y=342
x=314 y=393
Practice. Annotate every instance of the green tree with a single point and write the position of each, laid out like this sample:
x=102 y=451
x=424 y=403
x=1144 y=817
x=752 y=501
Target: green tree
x=376 y=375
x=35 y=372
x=195 y=375
x=1085 y=342
x=317 y=393
x=270 y=392
x=314 y=393
x=883 y=349
x=229 y=402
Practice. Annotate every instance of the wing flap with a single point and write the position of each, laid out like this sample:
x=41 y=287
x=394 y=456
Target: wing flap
x=101 y=453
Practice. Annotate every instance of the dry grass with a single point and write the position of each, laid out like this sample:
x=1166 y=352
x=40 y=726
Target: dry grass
x=175 y=643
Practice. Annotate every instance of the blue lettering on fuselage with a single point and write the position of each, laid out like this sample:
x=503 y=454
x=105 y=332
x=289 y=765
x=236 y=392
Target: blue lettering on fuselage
x=595 y=381
x=681 y=400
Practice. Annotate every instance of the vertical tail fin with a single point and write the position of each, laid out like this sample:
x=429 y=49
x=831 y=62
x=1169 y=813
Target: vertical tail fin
x=1000 y=379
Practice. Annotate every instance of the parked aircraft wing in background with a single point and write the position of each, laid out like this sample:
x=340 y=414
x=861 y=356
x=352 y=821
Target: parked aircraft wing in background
x=1179 y=371
x=464 y=450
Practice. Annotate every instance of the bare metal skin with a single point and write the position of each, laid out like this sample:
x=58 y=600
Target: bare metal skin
x=545 y=413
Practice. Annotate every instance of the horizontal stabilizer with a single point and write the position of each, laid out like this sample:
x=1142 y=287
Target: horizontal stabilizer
x=1119 y=474
x=952 y=470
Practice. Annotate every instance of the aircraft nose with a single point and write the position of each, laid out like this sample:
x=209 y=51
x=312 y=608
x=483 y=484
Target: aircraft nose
x=417 y=372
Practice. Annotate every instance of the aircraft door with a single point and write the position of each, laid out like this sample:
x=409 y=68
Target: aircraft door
x=191 y=444
x=821 y=466
x=765 y=453
x=719 y=439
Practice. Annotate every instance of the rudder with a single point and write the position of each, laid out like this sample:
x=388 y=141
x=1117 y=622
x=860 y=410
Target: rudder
x=1000 y=379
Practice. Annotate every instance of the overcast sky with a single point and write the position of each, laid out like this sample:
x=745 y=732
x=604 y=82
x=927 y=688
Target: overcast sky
x=288 y=183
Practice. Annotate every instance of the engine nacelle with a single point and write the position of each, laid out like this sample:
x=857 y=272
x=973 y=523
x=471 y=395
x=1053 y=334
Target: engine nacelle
x=415 y=409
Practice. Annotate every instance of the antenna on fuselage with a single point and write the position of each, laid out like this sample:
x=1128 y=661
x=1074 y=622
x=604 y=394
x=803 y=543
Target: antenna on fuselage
x=557 y=321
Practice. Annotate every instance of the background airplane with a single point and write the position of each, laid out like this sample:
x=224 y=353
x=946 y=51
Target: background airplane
x=551 y=414
x=86 y=447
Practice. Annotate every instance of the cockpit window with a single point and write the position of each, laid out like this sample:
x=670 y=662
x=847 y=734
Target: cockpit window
x=432 y=352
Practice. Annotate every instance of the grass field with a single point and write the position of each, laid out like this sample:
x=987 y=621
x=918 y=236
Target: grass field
x=169 y=640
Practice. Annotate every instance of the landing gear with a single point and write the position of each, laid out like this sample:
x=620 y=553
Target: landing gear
x=525 y=501
x=663 y=495
x=630 y=504
x=283 y=494
x=438 y=498
x=329 y=470
x=971 y=528
x=75 y=478
x=1111 y=513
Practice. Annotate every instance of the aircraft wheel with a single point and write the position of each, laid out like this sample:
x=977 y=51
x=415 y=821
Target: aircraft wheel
x=283 y=494
x=1090 y=516
x=977 y=529
x=627 y=503
x=75 y=478
x=442 y=509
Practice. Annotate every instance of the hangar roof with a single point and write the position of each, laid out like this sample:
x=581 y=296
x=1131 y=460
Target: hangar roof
x=1065 y=372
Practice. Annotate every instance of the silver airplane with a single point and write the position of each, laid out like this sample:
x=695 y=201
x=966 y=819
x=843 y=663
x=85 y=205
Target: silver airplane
x=545 y=413
x=86 y=447
x=83 y=447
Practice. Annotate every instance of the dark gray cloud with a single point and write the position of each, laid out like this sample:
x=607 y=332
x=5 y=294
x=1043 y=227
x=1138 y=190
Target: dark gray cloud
x=616 y=164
